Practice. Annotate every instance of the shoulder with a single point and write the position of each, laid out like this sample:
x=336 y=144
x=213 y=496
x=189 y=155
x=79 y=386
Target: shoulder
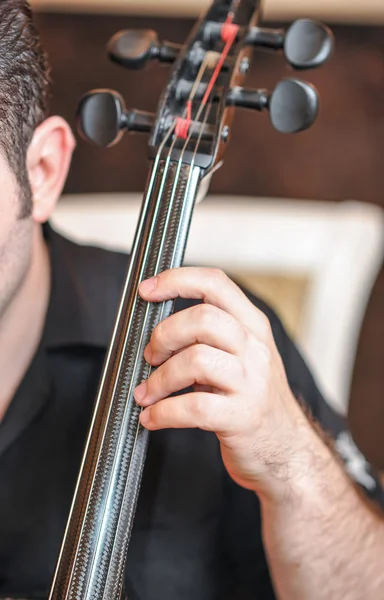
x=97 y=268
x=86 y=287
x=102 y=263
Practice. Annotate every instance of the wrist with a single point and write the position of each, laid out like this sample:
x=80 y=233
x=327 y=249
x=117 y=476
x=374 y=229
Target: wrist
x=307 y=469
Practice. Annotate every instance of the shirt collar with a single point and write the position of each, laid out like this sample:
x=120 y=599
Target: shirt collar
x=85 y=289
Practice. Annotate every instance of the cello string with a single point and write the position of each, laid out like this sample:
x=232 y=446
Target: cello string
x=165 y=174
x=139 y=353
x=169 y=212
x=182 y=153
x=192 y=164
x=144 y=265
x=134 y=465
x=107 y=365
x=208 y=59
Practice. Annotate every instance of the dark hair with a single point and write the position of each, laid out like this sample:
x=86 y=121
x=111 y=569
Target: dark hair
x=24 y=89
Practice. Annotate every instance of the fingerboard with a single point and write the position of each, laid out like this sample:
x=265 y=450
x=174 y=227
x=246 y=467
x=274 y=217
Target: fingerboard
x=92 y=560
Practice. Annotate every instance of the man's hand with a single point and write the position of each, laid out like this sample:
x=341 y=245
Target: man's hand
x=224 y=348
x=321 y=541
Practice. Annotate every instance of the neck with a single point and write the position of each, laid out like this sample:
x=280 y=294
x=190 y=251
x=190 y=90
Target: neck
x=22 y=323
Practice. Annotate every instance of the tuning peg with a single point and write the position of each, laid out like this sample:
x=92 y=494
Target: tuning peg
x=306 y=44
x=293 y=105
x=102 y=118
x=134 y=48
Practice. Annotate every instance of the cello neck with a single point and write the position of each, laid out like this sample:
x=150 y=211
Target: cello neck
x=93 y=554
x=188 y=137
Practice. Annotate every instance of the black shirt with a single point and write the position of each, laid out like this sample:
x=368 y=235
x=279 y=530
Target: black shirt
x=196 y=534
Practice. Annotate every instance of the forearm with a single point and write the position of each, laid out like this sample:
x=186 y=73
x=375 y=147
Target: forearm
x=322 y=541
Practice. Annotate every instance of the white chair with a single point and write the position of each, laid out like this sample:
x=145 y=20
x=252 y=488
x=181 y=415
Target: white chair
x=336 y=248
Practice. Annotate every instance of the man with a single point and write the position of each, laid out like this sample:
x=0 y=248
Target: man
x=235 y=447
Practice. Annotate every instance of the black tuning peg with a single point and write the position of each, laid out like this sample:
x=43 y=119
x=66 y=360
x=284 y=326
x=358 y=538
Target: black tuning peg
x=306 y=44
x=135 y=48
x=102 y=118
x=293 y=105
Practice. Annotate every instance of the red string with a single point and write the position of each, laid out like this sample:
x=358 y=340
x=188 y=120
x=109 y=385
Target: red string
x=231 y=32
x=182 y=128
x=182 y=125
x=228 y=35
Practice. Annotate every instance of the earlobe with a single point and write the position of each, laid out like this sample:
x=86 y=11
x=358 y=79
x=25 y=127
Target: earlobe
x=48 y=161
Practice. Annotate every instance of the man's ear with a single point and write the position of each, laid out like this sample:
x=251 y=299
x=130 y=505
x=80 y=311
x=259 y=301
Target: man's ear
x=48 y=161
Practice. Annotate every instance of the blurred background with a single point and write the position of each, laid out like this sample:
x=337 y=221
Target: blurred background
x=340 y=159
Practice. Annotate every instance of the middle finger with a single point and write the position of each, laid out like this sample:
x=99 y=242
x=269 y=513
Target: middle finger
x=204 y=324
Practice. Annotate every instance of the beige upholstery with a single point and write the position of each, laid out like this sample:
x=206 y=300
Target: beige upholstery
x=286 y=294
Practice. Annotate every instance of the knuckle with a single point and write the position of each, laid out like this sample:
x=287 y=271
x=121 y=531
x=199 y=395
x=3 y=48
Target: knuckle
x=267 y=356
x=204 y=315
x=158 y=380
x=161 y=412
x=218 y=276
x=262 y=356
x=159 y=334
x=265 y=362
x=198 y=407
x=245 y=334
x=264 y=326
x=200 y=357
x=246 y=371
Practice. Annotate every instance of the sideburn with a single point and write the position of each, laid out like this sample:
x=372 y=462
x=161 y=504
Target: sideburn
x=26 y=196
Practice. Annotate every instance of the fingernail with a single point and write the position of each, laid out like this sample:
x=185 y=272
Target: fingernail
x=145 y=416
x=148 y=286
x=148 y=353
x=140 y=392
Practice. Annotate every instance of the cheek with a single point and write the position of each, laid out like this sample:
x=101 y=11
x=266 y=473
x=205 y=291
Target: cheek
x=15 y=242
x=15 y=259
x=9 y=201
x=9 y=221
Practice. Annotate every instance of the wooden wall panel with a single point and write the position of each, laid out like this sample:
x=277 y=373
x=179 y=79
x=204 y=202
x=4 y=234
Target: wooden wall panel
x=342 y=157
x=369 y=11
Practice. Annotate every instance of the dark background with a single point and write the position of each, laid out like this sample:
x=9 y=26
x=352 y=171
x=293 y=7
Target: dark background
x=341 y=157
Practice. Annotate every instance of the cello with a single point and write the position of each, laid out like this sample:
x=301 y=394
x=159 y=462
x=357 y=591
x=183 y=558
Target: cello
x=188 y=136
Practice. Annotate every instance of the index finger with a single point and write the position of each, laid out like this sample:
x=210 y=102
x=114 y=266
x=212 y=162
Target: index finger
x=212 y=286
